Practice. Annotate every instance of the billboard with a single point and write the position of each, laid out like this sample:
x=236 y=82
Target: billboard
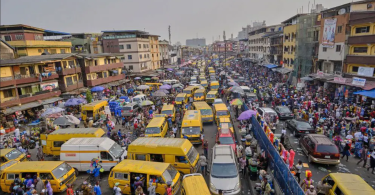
x=329 y=33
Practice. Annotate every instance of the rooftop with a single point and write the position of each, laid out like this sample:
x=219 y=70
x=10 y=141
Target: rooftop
x=125 y=31
x=291 y=18
x=35 y=59
x=100 y=55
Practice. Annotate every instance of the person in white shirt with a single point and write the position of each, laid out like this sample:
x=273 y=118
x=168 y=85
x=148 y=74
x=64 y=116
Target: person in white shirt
x=358 y=135
x=175 y=131
x=116 y=189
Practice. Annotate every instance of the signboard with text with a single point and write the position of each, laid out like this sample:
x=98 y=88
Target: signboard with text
x=359 y=81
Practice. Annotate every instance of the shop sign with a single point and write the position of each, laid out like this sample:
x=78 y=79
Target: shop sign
x=365 y=71
x=319 y=73
x=339 y=80
x=49 y=86
x=359 y=81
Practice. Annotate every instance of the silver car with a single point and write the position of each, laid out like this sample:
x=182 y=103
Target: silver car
x=224 y=171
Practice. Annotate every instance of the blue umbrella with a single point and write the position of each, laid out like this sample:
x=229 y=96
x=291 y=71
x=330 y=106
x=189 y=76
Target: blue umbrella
x=75 y=102
x=52 y=110
x=165 y=87
x=97 y=88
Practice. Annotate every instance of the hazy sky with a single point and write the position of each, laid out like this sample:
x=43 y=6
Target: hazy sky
x=187 y=18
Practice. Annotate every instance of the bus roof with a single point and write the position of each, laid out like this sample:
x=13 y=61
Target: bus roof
x=196 y=184
x=220 y=107
x=346 y=180
x=156 y=122
x=200 y=90
x=35 y=166
x=212 y=92
x=6 y=151
x=160 y=145
x=77 y=131
x=190 y=88
x=181 y=95
x=89 y=141
x=201 y=104
x=93 y=104
x=192 y=115
x=168 y=107
x=214 y=82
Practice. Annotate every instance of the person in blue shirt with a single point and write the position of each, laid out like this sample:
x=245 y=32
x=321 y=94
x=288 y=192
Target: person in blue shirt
x=169 y=121
x=119 y=133
x=96 y=173
x=97 y=189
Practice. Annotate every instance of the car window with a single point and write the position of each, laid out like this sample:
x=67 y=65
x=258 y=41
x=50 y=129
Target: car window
x=329 y=180
x=327 y=149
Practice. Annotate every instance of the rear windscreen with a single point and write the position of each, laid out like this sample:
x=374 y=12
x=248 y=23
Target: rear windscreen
x=327 y=149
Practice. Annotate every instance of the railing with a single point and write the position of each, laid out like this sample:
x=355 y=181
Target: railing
x=24 y=76
x=6 y=78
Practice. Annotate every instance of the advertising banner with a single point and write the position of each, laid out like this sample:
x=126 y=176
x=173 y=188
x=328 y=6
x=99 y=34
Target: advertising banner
x=329 y=33
x=366 y=71
x=359 y=81
x=49 y=86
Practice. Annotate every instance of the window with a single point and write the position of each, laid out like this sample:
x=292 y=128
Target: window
x=360 y=50
x=105 y=156
x=11 y=176
x=130 y=57
x=140 y=46
x=144 y=56
x=338 y=48
x=355 y=69
x=58 y=144
x=19 y=37
x=7 y=38
x=338 y=191
x=122 y=59
x=105 y=74
x=121 y=46
x=152 y=55
x=122 y=176
x=140 y=157
x=152 y=46
x=140 y=56
x=45 y=50
x=69 y=81
x=362 y=29
x=339 y=29
x=8 y=93
x=131 y=67
x=75 y=78
x=40 y=50
x=71 y=63
x=144 y=45
x=38 y=37
x=62 y=50
x=53 y=51
x=148 y=55
x=324 y=49
x=45 y=176
x=128 y=46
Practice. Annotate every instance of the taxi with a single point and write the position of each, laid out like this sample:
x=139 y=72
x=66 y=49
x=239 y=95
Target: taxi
x=181 y=99
x=11 y=154
x=226 y=123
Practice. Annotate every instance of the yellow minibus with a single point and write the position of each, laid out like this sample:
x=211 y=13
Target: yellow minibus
x=192 y=126
x=93 y=109
x=9 y=154
x=205 y=110
x=200 y=95
x=190 y=91
x=214 y=85
x=193 y=184
x=181 y=99
x=347 y=183
x=157 y=127
x=169 y=110
x=211 y=96
x=220 y=111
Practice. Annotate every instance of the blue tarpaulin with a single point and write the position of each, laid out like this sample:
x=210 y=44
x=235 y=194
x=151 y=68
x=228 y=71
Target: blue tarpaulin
x=271 y=66
x=370 y=93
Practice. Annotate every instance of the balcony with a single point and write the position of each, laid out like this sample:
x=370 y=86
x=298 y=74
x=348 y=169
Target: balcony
x=7 y=81
x=100 y=68
x=66 y=88
x=99 y=81
x=33 y=43
x=39 y=96
x=366 y=39
x=10 y=102
x=360 y=59
x=68 y=71
x=32 y=78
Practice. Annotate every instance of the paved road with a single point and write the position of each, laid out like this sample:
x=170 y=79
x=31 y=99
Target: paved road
x=320 y=170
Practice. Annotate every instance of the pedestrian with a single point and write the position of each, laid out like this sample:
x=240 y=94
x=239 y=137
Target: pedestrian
x=203 y=163
x=139 y=190
x=168 y=188
x=175 y=130
x=372 y=161
x=299 y=170
x=243 y=165
x=363 y=156
x=307 y=182
x=311 y=191
x=116 y=189
x=346 y=152
x=48 y=187
x=70 y=190
x=96 y=173
x=323 y=188
x=97 y=189
x=152 y=188
x=39 y=185
x=205 y=148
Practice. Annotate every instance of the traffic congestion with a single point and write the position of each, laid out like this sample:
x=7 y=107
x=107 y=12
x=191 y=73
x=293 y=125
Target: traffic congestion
x=193 y=129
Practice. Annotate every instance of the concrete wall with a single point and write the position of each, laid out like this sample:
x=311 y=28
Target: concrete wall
x=331 y=53
x=5 y=51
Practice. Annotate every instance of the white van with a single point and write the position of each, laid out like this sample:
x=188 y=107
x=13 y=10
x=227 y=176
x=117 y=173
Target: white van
x=79 y=153
x=139 y=98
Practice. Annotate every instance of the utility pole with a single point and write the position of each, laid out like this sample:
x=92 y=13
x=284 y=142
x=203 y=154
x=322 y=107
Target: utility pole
x=169 y=31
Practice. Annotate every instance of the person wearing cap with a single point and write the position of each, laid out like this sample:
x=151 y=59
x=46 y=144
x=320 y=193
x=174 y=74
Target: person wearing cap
x=306 y=183
x=116 y=189
x=311 y=191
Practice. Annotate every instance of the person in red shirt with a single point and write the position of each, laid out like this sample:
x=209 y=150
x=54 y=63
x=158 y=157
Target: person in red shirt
x=135 y=125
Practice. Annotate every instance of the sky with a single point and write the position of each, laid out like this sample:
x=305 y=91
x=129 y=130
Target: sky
x=187 y=18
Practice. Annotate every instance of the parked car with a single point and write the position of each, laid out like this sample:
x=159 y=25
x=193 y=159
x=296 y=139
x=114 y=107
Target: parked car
x=224 y=171
x=299 y=127
x=225 y=137
x=320 y=149
x=129 y=109
x=284 y=112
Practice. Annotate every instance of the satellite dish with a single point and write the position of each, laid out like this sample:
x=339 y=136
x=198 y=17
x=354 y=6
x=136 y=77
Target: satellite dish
x=341 y=11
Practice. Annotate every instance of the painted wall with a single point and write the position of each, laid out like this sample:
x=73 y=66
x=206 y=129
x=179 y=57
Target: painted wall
x=6 y=72
x=288 y=31
x=3 y=99
x=332 y=53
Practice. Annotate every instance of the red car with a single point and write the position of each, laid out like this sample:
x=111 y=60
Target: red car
x=225 y=137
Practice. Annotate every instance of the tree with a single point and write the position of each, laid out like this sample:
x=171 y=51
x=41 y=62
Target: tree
x=88 y=96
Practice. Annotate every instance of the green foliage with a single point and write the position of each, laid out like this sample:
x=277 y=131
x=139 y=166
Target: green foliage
x=88 y=96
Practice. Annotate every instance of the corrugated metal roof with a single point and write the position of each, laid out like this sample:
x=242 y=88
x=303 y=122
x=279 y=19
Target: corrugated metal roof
x=36 y=59
x=75 y=131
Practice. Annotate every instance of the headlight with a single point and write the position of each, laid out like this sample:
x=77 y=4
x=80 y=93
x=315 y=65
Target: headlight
x=61 y=183
x=212 y=187
x=237 y=187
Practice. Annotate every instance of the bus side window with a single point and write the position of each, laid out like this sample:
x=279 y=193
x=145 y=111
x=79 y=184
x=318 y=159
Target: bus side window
x=156 y=158
x=338 y=191
x=140 y=157
x=11 y=176
x=58 y=144
x=45 y=176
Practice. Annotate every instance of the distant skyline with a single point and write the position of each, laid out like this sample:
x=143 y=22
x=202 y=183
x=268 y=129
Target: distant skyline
x=207 y=18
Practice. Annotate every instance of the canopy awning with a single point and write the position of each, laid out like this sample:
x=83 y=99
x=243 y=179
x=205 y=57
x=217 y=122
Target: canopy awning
x=282 y=70
x=370 y=93
x=271 y=66
x=31 y=105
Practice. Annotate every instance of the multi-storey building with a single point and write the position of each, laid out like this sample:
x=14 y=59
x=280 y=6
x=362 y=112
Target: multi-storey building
x=70 y=74
x=289 y=41
x=102 y=69
x=29 y=83
x=133 y=44
x=360 y=60
x=86 y=43
x=276 y=43
x=6 y=50
x=155 y=52
x=29 y=40
x=259 y=42
x=164 y=52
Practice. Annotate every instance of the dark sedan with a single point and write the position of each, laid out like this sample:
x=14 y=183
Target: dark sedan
x=299 y=127
x=284 y=112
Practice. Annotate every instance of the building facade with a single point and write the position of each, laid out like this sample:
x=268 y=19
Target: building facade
x=29 y=40
x=197 y=42
x=133 y=44
x=164 y=52
x=6 y=50
x=276 y=51
x=360 y=61
x=86 y=43
x=155 y=52
x=289 y=41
